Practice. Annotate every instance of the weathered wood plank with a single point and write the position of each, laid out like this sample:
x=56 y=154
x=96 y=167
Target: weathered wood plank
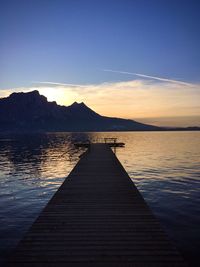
x=96 y=218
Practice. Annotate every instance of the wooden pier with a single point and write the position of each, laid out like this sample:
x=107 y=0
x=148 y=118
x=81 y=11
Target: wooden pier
x=111 y=142
x=97 y=218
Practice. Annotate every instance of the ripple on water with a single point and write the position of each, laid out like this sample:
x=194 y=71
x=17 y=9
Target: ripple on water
x=164 y=166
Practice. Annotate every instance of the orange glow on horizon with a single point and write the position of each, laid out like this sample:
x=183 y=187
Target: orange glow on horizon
x=129 y=99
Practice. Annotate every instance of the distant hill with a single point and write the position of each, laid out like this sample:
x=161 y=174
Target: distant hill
x=31 y=111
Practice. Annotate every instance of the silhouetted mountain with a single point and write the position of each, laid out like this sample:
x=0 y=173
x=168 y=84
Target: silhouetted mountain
x=32 y=112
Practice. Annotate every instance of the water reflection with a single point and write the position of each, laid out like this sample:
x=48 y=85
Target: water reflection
x=31 y=156
x=164 y=166
x=32 y=168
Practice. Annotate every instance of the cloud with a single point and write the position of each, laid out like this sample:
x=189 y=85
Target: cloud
x=151 y=77
x=141 y=98
x=61 y=84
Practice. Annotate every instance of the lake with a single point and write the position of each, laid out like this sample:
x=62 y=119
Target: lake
x=165 y=166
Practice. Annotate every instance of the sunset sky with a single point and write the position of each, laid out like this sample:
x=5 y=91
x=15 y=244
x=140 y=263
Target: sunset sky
x=135 y=59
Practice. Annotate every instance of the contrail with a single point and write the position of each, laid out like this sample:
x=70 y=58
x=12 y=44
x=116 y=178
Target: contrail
x=151 y=77
x=63 y=84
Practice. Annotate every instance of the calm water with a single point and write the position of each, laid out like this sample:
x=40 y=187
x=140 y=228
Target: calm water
x=165 y=166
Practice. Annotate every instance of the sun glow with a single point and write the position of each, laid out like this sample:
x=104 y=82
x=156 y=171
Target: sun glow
x=57 y=94
x=126 y=99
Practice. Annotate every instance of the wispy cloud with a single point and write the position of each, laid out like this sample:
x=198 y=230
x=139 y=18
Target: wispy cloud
x=150 y=77
x=61 y=84
x=136 y=98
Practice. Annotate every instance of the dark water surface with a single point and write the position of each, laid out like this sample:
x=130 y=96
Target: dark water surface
x=165 y=166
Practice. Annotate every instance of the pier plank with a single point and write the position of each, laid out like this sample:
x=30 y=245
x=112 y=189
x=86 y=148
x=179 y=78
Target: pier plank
x=96 y=218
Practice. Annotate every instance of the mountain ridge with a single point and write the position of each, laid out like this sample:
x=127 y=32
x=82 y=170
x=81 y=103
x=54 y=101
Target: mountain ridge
x=33 y=112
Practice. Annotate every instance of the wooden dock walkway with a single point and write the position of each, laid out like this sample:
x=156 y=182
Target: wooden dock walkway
x=97 y=218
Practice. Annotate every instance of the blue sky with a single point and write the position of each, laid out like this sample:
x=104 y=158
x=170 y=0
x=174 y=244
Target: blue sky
x=73 y=41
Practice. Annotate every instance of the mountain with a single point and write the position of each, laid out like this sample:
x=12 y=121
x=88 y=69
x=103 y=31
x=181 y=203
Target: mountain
x=31 y=111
